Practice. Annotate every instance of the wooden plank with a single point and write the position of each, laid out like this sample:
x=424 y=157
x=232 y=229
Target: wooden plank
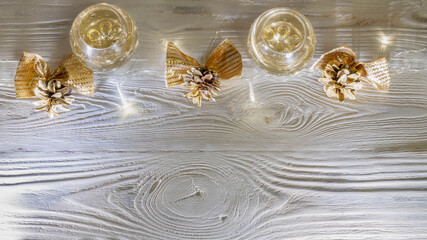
x=222 y=195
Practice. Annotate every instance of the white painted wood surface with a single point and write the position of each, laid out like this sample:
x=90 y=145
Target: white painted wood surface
x=293 y=164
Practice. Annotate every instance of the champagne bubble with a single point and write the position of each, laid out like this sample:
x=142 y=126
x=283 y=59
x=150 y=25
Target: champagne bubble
x=93 y=34
x=294 y=40
x=103 y=33
x=282 y=37
x=105 y=27
x=283 y=29
x=268 y=33
x=115 y=32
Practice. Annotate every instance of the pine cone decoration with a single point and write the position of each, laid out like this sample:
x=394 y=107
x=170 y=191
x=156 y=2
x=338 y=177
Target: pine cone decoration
x=340 y=80
x=53 y=97
x=202 y=83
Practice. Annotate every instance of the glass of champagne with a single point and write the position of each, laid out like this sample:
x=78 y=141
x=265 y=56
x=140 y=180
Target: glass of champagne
x=281 y=41
x=104 y=37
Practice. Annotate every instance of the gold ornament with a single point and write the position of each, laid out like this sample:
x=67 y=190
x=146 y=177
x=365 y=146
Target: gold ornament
x=53 y=97
x=225 y=62
x=34 y=78
x=340 y=80
x=342 y=75
x=202 y=83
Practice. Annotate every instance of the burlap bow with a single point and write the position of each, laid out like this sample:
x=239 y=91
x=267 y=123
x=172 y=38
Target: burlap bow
x=34 y=78
x=341 y=74
x=225 y=62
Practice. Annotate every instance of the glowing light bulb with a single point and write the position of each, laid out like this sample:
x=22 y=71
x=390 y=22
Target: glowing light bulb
x=128 y=109
x=385 y=40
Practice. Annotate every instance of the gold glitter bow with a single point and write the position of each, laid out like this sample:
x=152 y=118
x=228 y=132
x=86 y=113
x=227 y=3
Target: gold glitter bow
x=34 y=78
x=342 y=75
x=225 y=62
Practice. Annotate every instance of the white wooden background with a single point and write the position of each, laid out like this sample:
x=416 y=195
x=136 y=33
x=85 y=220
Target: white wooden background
x=292 y=164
